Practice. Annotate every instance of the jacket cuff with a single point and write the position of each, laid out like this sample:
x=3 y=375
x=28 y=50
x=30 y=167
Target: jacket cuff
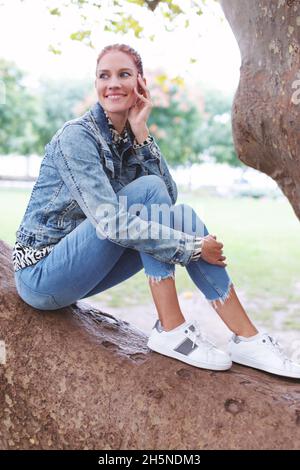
x=136 y=145
x=188 y=246
x=197 y=250
x=148 y=149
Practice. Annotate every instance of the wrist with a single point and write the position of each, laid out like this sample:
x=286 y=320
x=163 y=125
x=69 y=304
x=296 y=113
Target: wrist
x=141 y=134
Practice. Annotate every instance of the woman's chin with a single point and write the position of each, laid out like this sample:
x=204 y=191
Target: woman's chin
x=115 y=108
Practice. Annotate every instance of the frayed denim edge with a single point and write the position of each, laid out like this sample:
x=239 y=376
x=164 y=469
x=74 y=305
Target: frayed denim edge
x=222 y=299
x=157 y=279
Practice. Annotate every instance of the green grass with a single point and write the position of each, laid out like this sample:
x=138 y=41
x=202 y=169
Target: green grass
x=261 y=241
x=13 y=204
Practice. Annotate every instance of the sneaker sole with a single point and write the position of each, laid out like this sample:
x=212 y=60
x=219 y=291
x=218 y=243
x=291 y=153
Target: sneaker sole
x=191 y=362
x=246 y=362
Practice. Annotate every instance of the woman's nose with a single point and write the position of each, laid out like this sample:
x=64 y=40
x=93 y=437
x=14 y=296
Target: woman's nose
x=113 y=82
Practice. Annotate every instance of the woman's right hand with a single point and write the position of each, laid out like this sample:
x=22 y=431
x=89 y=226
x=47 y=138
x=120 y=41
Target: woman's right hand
x=139 y=113
x=212 y=251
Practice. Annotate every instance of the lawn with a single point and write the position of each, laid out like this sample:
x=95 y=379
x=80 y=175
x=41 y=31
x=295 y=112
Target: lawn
x=261 y=241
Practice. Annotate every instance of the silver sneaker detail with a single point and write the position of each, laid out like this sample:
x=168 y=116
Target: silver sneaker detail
x=189 y=345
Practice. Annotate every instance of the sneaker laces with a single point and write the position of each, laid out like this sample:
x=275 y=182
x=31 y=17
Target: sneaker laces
x=278 y=349
x=196 y=336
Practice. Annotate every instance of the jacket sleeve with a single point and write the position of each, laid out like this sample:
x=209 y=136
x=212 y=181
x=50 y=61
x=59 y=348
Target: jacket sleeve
x=152 y=158
x=78 y=159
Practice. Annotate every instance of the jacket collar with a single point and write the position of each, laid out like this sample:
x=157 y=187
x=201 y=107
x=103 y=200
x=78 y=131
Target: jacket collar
x=100 y=118
x=102 y=123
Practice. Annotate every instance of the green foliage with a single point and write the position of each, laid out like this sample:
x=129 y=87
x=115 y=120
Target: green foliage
x=216 y=136
x=118 y=20
x=140 y=3
x=81 y=35
x=54 y=50
x=17 y=112
x=216 y=102
x=28 y=120
x=127 y=24
x=58 y=100
x=184 y=132
x=54 y=11
x=175 y=126
x=215 y=132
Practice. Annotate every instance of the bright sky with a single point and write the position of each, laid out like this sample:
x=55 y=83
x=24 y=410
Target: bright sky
x=27 y=29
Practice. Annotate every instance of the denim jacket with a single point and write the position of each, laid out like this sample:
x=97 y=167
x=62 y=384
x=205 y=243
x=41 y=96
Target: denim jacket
x=81 y=170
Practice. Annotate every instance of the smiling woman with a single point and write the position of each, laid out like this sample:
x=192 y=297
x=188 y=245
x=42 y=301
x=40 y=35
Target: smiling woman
x=104 y=207
x=121 y=88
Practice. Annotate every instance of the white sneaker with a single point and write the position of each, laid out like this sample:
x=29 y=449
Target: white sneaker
x=262 y=352
x=187 y=344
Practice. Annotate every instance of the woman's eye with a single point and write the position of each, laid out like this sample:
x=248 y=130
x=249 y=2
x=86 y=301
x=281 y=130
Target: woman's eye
x=122 y=74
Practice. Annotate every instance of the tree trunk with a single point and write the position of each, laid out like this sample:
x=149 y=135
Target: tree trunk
x=77 y=378
x=266 y=109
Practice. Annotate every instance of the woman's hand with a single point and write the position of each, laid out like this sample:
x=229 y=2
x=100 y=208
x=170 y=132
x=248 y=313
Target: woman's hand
x=212 y=251
x=139 y=113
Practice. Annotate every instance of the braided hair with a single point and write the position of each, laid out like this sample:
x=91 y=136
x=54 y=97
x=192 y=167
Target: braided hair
x=127 y=50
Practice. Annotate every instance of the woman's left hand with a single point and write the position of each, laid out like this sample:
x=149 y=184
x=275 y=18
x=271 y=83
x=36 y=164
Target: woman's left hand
x=140 y=112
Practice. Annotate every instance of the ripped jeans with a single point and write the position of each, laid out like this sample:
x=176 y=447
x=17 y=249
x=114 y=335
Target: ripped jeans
x=82 y=264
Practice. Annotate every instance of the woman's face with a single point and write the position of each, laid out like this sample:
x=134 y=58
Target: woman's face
x=115 y=82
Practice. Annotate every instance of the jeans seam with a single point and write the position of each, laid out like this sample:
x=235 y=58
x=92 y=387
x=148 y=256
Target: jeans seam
x=38 y=293
x=210 y=280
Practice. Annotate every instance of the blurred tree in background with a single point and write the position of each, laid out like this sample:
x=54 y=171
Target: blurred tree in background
x=17 y=113
x=176 y=130
x=29 y=117
x=58 y=101
x=215 y=131
x=123 y=16
x=174 y=120
x=186 y=122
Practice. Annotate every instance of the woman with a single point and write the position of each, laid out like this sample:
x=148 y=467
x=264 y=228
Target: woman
x=90 y=224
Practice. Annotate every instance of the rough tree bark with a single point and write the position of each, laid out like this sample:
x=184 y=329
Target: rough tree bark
x=78 y=378
x=266 y=109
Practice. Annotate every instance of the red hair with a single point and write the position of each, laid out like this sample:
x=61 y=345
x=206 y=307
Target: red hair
x=127 y=50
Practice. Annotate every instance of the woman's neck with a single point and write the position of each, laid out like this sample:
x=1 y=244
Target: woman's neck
x=119 y=120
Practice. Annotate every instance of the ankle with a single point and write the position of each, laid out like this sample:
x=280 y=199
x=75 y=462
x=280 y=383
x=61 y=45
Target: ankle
x=247 y=333
x=169 y=325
